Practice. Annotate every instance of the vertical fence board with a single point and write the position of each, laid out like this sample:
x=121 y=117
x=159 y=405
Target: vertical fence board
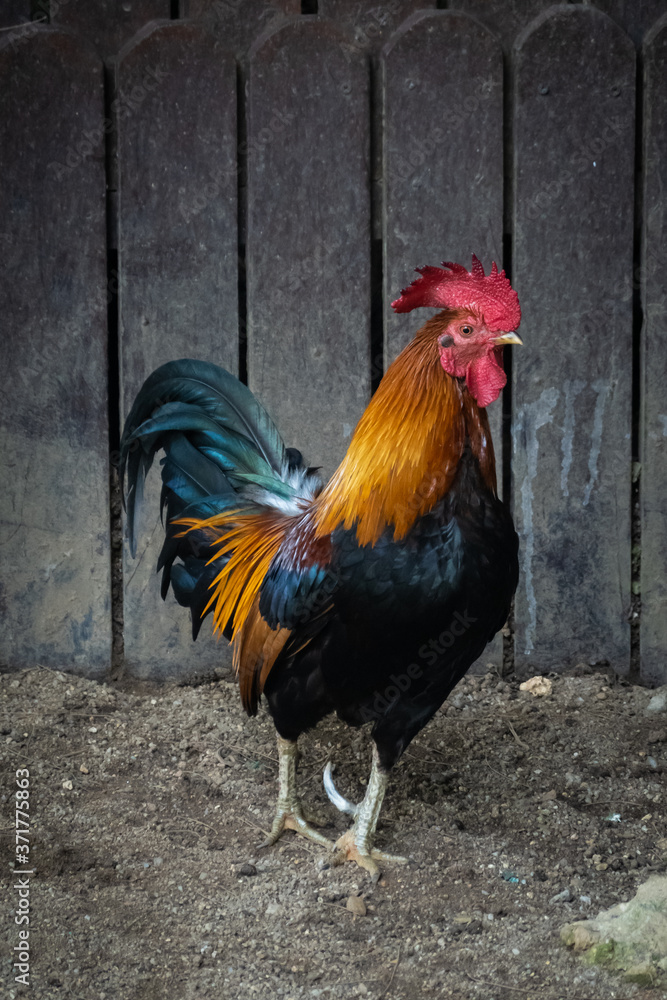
x=54 y=502
x=634 y=16
x=178 y=277
x=108 y=24
x=443 y=162
x=240 y=22
x=506 y=19
x=654 y=365
x=370 y=23
x=443 y=157
x=574 y=129
x=308 y=236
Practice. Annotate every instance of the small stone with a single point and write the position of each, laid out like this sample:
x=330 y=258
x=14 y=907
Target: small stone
x=562 y=897
x=67 y=785
x=84 y=769
x=356 y=905
x=579 y=937
x=644 y=973
x=658 y=702
x=539 y=687
x=602 y=867
x=247 y=869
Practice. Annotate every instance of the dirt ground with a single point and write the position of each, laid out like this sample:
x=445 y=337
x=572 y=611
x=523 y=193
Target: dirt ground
x=147 y=804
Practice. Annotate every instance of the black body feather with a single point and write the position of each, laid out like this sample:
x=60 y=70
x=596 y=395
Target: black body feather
x=404 y=620
x=381 y=633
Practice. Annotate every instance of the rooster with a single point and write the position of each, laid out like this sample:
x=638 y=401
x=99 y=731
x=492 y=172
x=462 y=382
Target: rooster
x=369 y=596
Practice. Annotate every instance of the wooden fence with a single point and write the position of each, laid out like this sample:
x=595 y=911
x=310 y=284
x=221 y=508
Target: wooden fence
x=252 y=182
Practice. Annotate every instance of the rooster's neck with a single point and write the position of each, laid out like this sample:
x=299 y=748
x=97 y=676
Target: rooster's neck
x=405 y=452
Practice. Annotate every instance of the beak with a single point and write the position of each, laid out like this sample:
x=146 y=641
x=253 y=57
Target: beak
x=508 y=338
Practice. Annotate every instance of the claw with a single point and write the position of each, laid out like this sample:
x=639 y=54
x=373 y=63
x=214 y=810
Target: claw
x=340 y=802
x=293 y=819
x=357 y=843
x=348 y=848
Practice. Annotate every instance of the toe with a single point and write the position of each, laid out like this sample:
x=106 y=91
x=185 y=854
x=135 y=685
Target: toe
x=394 y=858
x=347 y=849
x=294 y=820
x=300 y=825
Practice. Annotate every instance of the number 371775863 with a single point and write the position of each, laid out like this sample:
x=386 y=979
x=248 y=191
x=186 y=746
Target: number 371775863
x=22 y=811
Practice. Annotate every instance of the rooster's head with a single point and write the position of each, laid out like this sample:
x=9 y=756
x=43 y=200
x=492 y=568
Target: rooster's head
x=481 y=314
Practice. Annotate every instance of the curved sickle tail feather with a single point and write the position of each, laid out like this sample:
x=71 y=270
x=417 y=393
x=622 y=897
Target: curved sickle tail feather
x=228 y=477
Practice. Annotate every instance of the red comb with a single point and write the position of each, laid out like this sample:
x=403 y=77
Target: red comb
x=491 y=293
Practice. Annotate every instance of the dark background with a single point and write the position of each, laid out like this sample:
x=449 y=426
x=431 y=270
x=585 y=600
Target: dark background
x=252 y=183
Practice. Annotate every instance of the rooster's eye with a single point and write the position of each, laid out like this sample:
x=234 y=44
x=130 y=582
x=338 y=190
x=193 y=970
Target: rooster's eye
x=466 y=330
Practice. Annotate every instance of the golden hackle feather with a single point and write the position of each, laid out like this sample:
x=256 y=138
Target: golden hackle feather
x=405 y=451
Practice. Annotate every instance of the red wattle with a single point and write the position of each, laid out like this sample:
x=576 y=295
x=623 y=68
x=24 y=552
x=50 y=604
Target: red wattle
x=485 y=377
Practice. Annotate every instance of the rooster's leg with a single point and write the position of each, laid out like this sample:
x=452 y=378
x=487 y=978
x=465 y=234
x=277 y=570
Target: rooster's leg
x=289 y=811
x=357 y=843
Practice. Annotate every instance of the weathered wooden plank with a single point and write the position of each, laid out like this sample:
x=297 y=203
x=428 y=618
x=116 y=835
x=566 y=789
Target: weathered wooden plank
x=574 y=129
x=505 y=18
x=636 y=17
x=443 y=160
x=443 y=164
x=178 y=276
x=369 y=22
x=654 y=364
x=108 y=24
x=54 y=503
x=443 y=157
x=240 y=22
x=308 y=236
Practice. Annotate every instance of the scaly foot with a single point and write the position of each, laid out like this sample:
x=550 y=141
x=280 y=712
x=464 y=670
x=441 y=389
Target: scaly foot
x=289 y=811
x=350 y=848
x=357 y=843
x=292 y=818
